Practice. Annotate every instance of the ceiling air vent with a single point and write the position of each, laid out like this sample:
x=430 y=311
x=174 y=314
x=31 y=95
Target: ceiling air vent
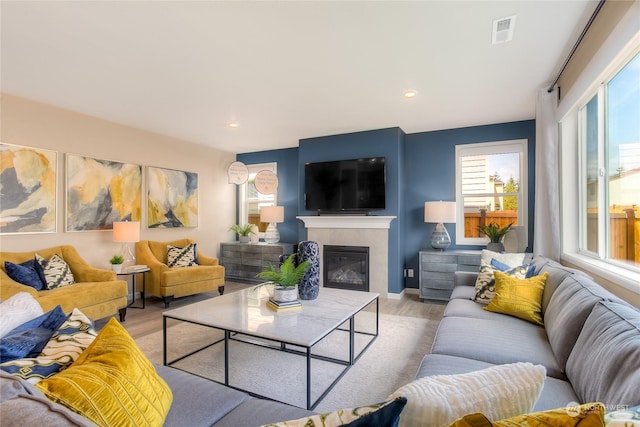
x=503 y=29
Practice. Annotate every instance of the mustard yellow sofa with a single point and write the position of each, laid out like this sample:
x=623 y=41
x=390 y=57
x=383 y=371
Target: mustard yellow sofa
x=168 y=283
x=96 y=292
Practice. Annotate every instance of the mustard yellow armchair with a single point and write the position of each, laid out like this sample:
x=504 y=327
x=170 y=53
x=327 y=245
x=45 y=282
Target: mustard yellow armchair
x=96 y=292
x=168 y=283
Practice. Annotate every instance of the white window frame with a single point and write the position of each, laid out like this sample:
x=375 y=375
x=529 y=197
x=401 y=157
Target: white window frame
x=489 y=148
x=603 y=217
x=243 y=209
x=571 y=176
x=603 y=253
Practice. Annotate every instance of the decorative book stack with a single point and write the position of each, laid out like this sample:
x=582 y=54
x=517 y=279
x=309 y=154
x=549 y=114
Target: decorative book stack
x=284 y=305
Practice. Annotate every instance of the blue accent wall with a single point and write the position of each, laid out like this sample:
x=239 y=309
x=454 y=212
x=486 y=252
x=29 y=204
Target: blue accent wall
x=429 y=170
x=420 y=167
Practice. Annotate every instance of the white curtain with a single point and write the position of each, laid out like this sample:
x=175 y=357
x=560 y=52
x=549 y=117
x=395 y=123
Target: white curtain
x=546 y=226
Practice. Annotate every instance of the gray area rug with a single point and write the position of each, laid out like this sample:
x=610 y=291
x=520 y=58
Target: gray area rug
x=390 y=362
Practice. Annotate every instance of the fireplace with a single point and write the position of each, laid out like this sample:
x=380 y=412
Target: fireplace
x=346 y=267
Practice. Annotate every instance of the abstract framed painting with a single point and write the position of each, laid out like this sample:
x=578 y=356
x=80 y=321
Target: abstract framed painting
x=101 y=192
x=28 y=178
x=172 y=198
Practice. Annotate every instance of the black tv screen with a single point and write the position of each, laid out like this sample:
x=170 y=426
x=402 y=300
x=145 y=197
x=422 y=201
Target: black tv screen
x=356 y=185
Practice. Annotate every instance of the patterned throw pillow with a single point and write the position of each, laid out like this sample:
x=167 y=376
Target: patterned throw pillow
x=112 y=383
x=504 y=267
x=64 y=347
x=27 y=273
x=181 y=257
x=383 y=414
x=485 y=283
x=56 y=271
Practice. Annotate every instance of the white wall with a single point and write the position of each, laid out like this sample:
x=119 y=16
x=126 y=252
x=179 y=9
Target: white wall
x=24 y=122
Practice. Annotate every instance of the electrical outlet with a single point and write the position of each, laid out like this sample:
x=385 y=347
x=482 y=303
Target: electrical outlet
x=410 y=272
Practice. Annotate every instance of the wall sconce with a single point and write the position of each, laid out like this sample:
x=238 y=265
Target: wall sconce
x=126 y=232
x=272 y=215
x=439 y=213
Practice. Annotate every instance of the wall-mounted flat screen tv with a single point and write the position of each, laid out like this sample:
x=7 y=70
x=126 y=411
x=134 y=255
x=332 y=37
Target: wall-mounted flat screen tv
x=345 y=186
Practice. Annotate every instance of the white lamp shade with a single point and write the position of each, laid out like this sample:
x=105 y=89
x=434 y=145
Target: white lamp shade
x=272 y=214
x=126 y=231
x=439 y=212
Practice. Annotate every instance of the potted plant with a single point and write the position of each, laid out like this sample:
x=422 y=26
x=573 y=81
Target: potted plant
x=116 y=263
x=495 y=235
x=285 y=278
x=243 y=231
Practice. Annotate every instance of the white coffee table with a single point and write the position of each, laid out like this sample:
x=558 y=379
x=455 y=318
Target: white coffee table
x=243 y=315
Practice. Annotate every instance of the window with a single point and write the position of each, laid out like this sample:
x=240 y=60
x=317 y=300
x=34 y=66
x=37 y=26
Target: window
x=491 y=187
x=251 y=200
x=609 y=146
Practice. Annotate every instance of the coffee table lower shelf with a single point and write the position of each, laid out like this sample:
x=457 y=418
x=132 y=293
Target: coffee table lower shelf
x=284 y=346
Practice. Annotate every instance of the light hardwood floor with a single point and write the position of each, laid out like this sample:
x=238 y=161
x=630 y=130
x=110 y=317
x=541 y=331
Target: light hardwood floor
x=142 y=322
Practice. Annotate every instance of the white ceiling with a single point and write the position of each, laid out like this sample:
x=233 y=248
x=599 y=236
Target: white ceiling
x=285 y=70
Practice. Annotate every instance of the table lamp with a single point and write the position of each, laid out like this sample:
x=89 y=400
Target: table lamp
x=439 y=213
x=126 y=232
x=272 y=215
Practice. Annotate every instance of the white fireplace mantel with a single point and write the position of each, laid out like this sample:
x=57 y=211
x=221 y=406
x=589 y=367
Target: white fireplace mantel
x=356 y=221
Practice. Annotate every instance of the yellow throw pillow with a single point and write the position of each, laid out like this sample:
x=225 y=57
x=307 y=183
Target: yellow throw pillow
x=519 y=297
x=112 y=383
x=587 y=415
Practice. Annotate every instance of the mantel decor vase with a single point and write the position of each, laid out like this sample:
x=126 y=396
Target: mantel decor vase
x=309 y=285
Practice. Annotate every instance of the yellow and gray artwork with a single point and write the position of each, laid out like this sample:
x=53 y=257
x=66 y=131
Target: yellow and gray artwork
x=101 y=192
x=27 y=190
x=172 y=198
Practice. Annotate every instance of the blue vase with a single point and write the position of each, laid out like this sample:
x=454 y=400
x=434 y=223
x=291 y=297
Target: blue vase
x=309 y=285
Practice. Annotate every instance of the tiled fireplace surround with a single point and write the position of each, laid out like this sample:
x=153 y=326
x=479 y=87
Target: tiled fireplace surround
x=369 y=231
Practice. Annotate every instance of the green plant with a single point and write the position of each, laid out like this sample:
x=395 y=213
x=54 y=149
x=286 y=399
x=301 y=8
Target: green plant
x=242 y=230
x=287 y=275
x=494 y=232
x=116 y=259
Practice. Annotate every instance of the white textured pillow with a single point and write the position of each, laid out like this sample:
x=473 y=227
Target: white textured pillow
x=512 y=260
x=19 y=308
x=498 y=392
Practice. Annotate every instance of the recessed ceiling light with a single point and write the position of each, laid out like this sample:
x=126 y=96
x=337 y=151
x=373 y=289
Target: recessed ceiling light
x=233 y=125
x=409 y=93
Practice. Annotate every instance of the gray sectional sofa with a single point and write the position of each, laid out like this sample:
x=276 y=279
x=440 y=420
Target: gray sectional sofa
x=589 y=344
x=196 y=402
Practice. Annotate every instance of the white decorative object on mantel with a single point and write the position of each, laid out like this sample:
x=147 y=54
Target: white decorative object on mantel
x=347 y=221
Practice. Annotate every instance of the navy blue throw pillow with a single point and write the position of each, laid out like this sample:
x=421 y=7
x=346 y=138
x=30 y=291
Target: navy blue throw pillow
x=28 y=273
x=387 y=416
x=28 y=339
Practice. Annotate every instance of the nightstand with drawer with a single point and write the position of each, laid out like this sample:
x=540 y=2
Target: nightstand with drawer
x=437 y=269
